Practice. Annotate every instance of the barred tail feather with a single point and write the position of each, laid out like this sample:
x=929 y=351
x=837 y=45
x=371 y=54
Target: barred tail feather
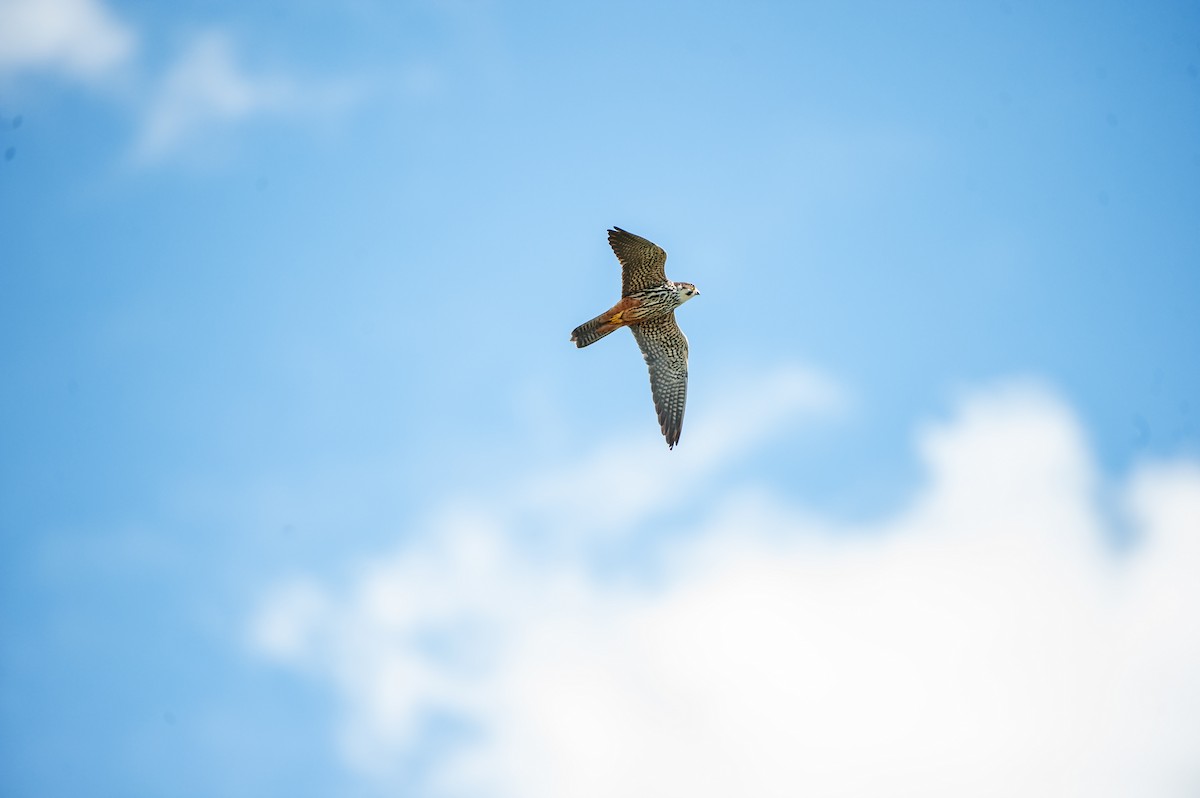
x=592 y=331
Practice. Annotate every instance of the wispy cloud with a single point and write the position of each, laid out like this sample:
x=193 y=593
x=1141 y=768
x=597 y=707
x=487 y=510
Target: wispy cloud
x=205 y=86
x=207 y=89
x=623 y=482
x=80 y=39
x=984 y=640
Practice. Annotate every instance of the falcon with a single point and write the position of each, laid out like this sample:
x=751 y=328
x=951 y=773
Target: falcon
x=647 y=308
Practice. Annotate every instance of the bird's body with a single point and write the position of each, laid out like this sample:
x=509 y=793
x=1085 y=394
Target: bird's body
x=647 y=308
x=640 y=306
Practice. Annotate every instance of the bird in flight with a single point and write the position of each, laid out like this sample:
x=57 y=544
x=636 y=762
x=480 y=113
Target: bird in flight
x=647 y=308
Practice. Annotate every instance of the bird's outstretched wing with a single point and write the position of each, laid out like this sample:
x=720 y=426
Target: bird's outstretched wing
x=665 y=348
x=643 y=263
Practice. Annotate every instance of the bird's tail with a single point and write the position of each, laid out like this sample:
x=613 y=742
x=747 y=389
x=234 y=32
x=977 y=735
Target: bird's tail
x=592 y=331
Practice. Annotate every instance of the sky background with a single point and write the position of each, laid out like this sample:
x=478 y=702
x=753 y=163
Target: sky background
x=304 y=491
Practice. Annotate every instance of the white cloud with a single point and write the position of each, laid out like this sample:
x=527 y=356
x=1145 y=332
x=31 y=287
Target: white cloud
x=204 y=91
x=983 y=641
x=78 y=38
x=207 y=89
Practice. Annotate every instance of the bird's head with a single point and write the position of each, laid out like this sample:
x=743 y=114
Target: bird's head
x=686 y=291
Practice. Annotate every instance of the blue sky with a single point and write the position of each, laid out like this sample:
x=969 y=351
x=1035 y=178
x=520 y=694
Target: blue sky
x=286 y=290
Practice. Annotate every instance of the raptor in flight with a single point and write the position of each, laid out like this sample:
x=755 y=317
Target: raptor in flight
x=647 y=308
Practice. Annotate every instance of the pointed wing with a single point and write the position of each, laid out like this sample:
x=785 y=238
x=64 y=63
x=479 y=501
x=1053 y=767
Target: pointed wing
x=643 y=263
x=665 y=348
